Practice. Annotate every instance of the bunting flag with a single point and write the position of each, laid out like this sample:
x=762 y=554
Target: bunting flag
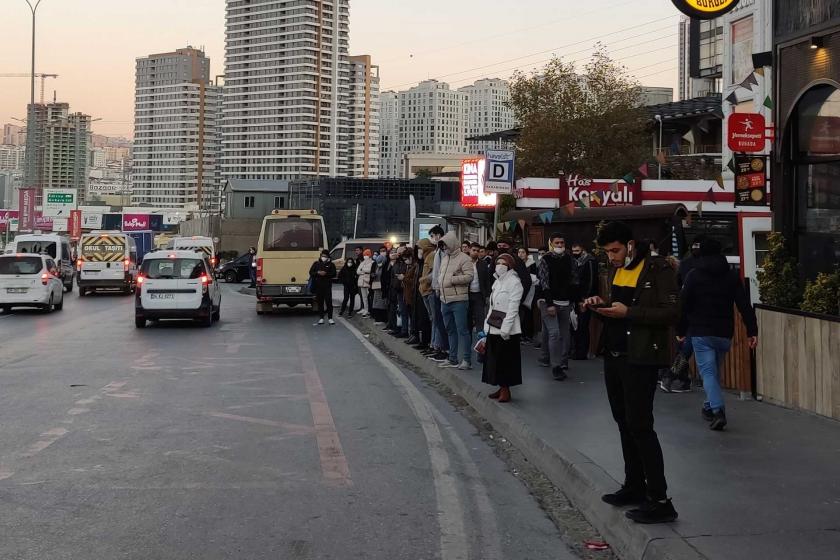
x=521 y=223
x=747 y=84
x=760 y=71
x=660 y=157
x=629 y=179
x=570 y=208
x=752 y=80
x=768 y=103
x=710 y=195
x=512 y=225
x=732 y=98
x=547 y=217
x=643 y=170
x=597 y=198
x=614 y=187
x=731 y=165
x=500 y=226
x=719 y=180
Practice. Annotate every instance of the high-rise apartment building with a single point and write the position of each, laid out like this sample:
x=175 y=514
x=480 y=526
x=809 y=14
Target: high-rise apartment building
x=12 y=158
x=700 y=52
x=57 y=148
x=176 y=139
x=487 y=111
x=389 y=135
x=14 y=135
x=286 y=76
x=433 y=118
x=363 y=120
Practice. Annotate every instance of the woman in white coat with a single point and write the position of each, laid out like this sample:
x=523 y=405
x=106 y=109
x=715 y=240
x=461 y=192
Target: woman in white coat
x=502 y=357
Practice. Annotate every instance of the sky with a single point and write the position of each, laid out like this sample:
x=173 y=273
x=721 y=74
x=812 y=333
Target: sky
x=92 y=44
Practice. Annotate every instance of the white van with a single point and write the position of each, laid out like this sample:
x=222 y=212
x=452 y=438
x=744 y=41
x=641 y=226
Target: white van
x=176 y=285
x=107 y=260
x=55 y=246
x=198 y=244
x=28 y=280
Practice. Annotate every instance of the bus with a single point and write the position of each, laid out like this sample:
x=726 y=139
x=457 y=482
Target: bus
x=290 y=241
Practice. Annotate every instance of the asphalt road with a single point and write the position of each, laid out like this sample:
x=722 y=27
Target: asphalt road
x=261 y=437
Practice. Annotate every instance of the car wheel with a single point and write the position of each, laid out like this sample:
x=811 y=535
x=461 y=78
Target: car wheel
x=231 y=277
x=82 y=291
x=217 y=314
x=206 y=321
x=60 y=305
x=49 y=307
x=139 y=322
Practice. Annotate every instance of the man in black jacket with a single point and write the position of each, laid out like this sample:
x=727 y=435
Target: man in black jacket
x=709 y=295
x=555 y=297
x=643 y=305
x=587 y=287
x=322 y=273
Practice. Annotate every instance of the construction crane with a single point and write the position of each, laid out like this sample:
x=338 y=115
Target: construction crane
x=42 y=76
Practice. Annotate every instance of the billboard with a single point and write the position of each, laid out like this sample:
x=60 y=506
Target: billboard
x=91 y=220
x=473 y=196
x=7 y=218
x=26 y=223
x=597 y=193
x=136 y=222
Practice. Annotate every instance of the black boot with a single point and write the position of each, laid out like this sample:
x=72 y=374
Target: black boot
x=559 y=373
x=625 y=496
x=653 y=512
x=718 y=420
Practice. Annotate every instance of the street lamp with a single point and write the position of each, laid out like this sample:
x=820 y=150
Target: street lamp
x=658 y=157
x=30 y=130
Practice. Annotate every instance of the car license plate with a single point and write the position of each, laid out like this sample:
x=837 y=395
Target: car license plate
x=16 y=290
x=161 y=296
x=293 y=289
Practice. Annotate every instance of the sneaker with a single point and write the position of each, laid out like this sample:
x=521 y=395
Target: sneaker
x=440 y=357
x=448 y=364
x=653 y=512
x=320 y=322
x=718 y=420
x=625 y=496
x=665 y=385
x=331 y=322
x=464 y=366
x=559 y=374
x=707 y=413
x=428 y=351
x=412 y=340
x=543 y=364
x=681 y=386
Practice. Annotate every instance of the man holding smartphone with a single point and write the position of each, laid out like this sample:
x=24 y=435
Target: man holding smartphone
x=642 y=305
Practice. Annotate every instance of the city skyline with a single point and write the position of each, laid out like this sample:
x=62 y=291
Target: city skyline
x=92 y=44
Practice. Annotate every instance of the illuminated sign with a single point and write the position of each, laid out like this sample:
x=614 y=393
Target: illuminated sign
x=705 y=9
x=472 y=185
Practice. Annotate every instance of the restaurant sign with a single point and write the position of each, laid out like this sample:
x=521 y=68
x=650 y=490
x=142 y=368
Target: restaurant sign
x=705 y=9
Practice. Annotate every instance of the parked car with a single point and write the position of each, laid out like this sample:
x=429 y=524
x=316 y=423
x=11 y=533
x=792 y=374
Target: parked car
x=28 y=280
x=236 y=270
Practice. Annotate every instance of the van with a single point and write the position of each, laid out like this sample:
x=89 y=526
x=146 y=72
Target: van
x=198 y=244
x=55 y=246
x=347 y=249
x=107 y=260
x=290 y=241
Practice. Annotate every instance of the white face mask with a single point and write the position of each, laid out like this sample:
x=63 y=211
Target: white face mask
x=560 y=250
x=654 y=253
x=501 y=269
x=367 y=258
x=324 y=259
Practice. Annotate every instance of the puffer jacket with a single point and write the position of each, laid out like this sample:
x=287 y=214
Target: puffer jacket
x=456 y=272
x=506 y=297
x=363 y=271
x=428 y=266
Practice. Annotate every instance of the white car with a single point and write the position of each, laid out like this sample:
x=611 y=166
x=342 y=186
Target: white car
x=28 y=280
x=176 y=285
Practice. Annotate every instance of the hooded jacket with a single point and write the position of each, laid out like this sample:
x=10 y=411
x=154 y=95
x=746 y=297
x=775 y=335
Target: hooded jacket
x=428 y=264
x=363 y=270
x=709 y=296
x=456 y=271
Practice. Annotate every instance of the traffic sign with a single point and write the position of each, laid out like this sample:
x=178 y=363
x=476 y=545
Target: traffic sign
x=747 y=132
x=500 y=171
x=59 y=202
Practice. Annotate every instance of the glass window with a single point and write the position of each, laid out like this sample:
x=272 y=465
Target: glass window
x=169 y=269
x=37 y=247
x=761 y=249
x=250 y=202
x=20 y=265
x=293 y=234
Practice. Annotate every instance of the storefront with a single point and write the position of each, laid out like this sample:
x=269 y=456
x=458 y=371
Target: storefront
x=807 y=163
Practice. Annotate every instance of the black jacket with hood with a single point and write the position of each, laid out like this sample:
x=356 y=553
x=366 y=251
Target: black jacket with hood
x=709 y=294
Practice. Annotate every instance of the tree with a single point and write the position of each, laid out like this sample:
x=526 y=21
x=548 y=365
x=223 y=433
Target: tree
x=423 y=173
x=588 y=123
x=778 y=283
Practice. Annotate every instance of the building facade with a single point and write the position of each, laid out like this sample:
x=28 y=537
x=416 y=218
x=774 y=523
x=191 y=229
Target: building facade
x=57 y=149
x=389 y=135
x=487 y=112
x=433 y=119
x=176 y=137
x=700 y=51
x=12 y=157
x=363 y=111
x=286 y=75
x=14 y=135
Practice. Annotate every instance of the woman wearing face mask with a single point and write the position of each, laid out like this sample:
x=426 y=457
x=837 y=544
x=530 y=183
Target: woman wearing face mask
x=502 y=356
x=526 y=314
x=322 y=273
x=363 y=272
x=348 y=279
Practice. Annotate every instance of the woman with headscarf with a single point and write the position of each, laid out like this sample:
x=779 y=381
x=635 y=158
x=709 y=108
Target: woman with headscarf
x=363 y=272
x=502 y=355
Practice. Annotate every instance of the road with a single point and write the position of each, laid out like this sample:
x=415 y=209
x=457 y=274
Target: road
x=261 y=437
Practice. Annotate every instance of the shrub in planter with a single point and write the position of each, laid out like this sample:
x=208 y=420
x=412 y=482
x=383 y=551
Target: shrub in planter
x=823 y=294
x=779 y=281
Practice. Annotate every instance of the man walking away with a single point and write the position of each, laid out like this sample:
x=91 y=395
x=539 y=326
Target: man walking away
x=642 y=306
x=555 y=300
x=709 y=295
x=456 y=274
x=587 y=268
x=252 y=267
x=322 y=273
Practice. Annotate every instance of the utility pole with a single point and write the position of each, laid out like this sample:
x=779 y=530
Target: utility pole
x=30 y=115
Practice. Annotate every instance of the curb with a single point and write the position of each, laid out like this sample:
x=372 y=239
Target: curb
x=583 y=481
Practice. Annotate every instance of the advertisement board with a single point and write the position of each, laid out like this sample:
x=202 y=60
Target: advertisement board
x=705 y=9
x=746 y=132
x=751 y=181
x=75 y=226
x=7 y=217
x=473 y=196
x=91 y=221
x=26 y=204
x=135 y=222
x=597 y=193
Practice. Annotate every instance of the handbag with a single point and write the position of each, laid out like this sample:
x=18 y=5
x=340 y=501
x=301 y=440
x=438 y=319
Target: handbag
x=376 y=285
x=496 y=318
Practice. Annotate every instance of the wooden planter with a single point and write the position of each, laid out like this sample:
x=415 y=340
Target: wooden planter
x=798 y=362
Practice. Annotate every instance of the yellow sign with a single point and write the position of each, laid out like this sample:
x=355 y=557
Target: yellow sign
x=705 y=9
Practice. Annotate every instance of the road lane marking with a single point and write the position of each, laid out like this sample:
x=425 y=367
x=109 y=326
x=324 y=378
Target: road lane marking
x=334 y=466
x=49 y=438
x=453 y=538
x=290 y=428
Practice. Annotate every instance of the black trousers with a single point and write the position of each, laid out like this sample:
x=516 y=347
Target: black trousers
x=349 y=298
x=323 y=299
x=630 y=390
x=580 y=349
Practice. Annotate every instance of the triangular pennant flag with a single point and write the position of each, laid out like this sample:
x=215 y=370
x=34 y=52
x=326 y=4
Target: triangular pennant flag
x=614 y=187
x=700 y=208
x=687 y=220
x=732 y=98
x=500 y=226
x=521 y=223
x=710 y=195
x=746 y=84
x=731 y=165
x=768 y=103
x=759 y=71
x=661 y=158
x=643 y=170
x=542 y=218
x=752 y=80
x=629 y=179
x=550 y=215
x=512 y=226
x=596 y=198
x=719 y=180
x=570 y=208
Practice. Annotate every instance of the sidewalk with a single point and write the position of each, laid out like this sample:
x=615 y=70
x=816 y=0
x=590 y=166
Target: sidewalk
x=767 y=488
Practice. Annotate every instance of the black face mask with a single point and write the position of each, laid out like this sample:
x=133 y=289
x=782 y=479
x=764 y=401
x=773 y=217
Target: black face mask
x=576 y=255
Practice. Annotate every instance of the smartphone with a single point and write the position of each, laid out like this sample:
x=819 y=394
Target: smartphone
x=599 y=306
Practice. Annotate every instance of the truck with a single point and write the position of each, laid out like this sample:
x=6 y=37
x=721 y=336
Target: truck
x=145 y=243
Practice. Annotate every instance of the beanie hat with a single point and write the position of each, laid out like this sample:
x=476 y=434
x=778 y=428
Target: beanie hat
x=509 y=260
x=325 y=253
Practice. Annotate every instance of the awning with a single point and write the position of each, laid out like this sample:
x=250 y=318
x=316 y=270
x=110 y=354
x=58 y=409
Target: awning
x=628 y=213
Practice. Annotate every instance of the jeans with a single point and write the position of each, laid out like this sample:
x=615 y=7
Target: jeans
x=438 y=323
x=630 y=390
x=581 y=336
x=349 y=299
x=556 y=335
x=709 y=352
x=458 y=328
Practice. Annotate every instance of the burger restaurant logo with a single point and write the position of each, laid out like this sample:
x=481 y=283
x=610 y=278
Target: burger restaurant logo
x=705 y=9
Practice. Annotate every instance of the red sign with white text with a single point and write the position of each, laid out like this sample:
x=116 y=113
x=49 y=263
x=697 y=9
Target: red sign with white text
x=472 y=186
x=135 y=222
x=747 y=132
x=26 y=203
x=75 y=225
x=598 y=193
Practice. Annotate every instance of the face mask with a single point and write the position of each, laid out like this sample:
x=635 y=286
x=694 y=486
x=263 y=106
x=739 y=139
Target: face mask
x=559 y=250
x=501 y=269
x=324 y=259
x=367 y=258
x=420 y=254
x=576 y=254
x=654 y=253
